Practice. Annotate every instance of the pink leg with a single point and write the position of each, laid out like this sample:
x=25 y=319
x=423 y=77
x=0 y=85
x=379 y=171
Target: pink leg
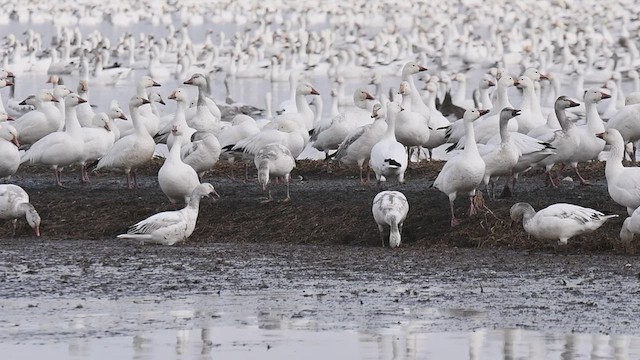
x=454 y=221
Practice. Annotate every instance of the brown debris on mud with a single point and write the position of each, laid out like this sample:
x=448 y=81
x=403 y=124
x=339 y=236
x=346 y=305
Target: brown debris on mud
x=328 y=206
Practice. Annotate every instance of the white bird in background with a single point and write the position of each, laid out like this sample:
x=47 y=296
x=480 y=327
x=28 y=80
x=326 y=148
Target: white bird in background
x=558 y=221
x=14 y=204
x=630 y=226
x=10 y=159
x=169 y=227
x=273 y=161
x=390 y=209
x=623 y=183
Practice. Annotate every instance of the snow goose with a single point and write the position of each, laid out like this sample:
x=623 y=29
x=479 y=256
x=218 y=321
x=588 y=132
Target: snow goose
x=484 y=101
x=356 y=147
x=388 y=156
x=304 y=115
x=60 y=148
x=85 y=111
x=590 y=146
x=409 y=69
x=10 y=159
x=203 y=119
x=500 y=158
x=329 y=135
x=14 y=204
x=97 y=142
x=438 y=123
x=13 y=107
x=464 y=172
x=611 y=106
x=530 y=115
x=412 y=128
x=623 y=183
x=285 y=132
x=133 y=150
x=630 y=226
x=40 y=122
x=177 y=179
x=242 y=127
x=145 y=113
x=179 y=119
x=390 y=209
x=169 y=227
x=626 y=122
x=490 y=124
x=558 y=221
x=202 y=153
x=274 y=160
x=565 y=141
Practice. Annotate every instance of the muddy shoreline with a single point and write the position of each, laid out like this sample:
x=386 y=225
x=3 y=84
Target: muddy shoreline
x=327 y=208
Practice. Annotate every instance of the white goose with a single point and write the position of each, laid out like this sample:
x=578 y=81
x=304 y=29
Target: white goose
x=412 y=128
x=97 y=142
x=60 y=148
x=10 y=159
x=630 y=226
x=37 y=123
x=623 y=183
x=14 y=204
x=500 y=158
x=331 y=134
x=133 y=150
x=145 y=112
x=274 y=160
x=356 y=148
x=565 y=141
x=169 y=227
x=203 y=119
x=388 y=156
x=177 y=179
x=464 y=172
x=202 y=153
x=558 y=221
x=590 y=146
x=390 y=209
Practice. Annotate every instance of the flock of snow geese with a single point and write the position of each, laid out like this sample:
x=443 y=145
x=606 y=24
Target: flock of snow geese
x=556 y=121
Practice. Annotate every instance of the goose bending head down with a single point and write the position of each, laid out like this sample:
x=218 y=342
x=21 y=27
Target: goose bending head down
x=558 y=221
x=390 y=209
x=274 y=160
x=169 y=227
x=14 y=204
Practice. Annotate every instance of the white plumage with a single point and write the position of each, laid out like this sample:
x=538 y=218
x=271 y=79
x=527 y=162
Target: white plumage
x=177 y=179
x=558 y=221
x=390 y=209
x=463 y=173
x=14 y=204
x=10 y=155
x=169 y=227
x=274 y=160
x=623 y=183
x=388 y=156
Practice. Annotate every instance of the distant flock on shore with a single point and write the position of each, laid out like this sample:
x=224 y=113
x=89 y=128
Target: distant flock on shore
x=407 y=69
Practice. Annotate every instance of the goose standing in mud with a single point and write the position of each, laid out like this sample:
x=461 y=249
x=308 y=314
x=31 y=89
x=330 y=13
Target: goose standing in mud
x=464 y=172
x=558 y=221
x=169 y=227
x=390 y=209
x=14 y=204
x=388 y=156
x=274 y=160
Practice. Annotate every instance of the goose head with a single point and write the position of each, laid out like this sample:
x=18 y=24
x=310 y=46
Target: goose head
x=10 y=134
x=361 y=95
x=5 y=117
x=72 y=100
x=147 y=82
x=393 y=109
x=137 y=101
x=507 y=113
x=154 y=96
x=5 y=74
x=204 y=189
x=197 y=80
x=519 y=210
x=5 y=82
x=176 y=129
x=611 y=137
x=523 y=82
x=534 y=74
x=473 y=114
x=54 y=80
x=593 y=96
x=506 y=81
x=306 y=89
x=83 y=86
x=564 y=102
x=404 y=88
x=411 y=68
x=486 y=83
x=115 y=112
x=179 y=94
x=376 y=113
x=103 y=118
x=61 y=91
x=33 y=219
